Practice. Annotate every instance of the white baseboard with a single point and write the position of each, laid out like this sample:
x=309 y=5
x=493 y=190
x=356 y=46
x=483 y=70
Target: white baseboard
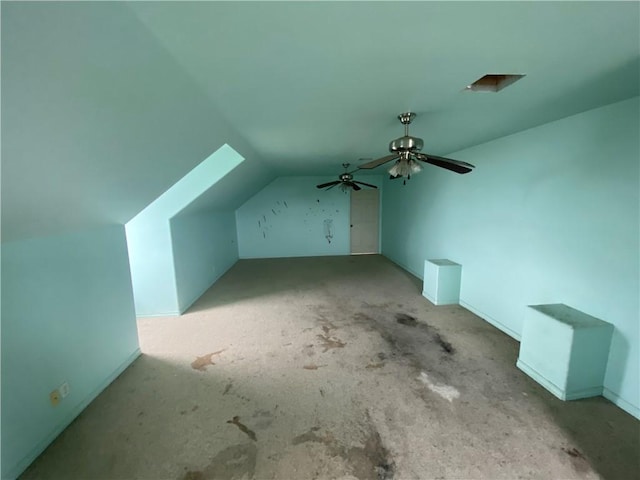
x=550 y=386
x=28 y=459
x=404 y=267
x=492 y=321
x=435 y=302
x=555 y=389
x=151 y=315
x=299 y=255
x=621 y=403
x=197 y=296
x=428 y=297
x=584 y=393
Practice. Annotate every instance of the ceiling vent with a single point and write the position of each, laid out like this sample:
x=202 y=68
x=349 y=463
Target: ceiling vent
x=493 y=82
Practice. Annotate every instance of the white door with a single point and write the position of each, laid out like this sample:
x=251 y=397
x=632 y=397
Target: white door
x=364 y=221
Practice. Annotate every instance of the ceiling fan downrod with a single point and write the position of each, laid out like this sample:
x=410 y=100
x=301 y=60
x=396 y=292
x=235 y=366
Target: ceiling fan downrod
x=406 y=143
x=405 y=119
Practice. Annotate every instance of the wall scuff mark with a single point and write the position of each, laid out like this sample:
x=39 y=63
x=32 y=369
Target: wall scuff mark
x=328 y=229
x=288 y=218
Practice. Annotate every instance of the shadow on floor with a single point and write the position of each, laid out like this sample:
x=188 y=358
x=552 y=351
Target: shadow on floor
x=440 y=383
x=165 y=419
x=605 y=438
x=252 y=279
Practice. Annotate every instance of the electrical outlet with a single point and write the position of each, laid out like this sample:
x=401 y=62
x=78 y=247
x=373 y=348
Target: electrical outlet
x=54 y=397
x=64 y=389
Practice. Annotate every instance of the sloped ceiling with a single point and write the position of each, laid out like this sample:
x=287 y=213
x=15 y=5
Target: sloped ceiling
x=233 y=190
x=314 y=84
x=97 y=119
x=106 y=104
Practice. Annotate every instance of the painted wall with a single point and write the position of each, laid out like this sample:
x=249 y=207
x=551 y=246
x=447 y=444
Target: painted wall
x=550 y=215
x=204 y=248
x=292 y=218
x=150 y=239
x=94 y=128
x=67 y=315
x=151 y=262
x=93 y=108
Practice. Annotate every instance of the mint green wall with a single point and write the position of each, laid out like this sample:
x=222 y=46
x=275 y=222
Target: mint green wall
x=204 y=248
x=149 y=235
x=550 y=215
x=67 y=315
x=151 y=262
x=93 y=108
x=290 y=217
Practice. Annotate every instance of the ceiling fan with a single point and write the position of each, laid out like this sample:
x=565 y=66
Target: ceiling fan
x=345 y=181
x=405 y=151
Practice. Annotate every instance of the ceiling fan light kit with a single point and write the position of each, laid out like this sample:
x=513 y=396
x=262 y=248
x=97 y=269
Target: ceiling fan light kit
x=404 y=168
x=405 y=151
x=346 y=181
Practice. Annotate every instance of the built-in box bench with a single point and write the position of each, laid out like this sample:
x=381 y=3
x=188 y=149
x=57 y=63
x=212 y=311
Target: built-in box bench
x=565 y=350
x=442 y=281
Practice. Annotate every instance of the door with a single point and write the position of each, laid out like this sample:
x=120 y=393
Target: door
x=364 y=221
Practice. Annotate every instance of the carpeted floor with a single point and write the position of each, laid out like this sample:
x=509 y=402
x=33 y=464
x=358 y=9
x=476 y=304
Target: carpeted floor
x=333 y=367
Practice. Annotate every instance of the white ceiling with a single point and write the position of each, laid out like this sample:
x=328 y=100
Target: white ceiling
x=106 y=104
x=314 y=84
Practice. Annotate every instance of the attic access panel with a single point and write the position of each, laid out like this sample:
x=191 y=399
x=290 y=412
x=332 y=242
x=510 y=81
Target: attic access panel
x=493 y=82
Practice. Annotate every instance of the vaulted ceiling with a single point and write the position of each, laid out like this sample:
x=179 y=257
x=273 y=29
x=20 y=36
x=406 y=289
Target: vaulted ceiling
x=312 y=84
x=106 y=105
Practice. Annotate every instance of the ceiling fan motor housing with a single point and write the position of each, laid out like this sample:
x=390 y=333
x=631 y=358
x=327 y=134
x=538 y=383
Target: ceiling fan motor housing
x=406 y=144
x=405 y=151
x=346 y=177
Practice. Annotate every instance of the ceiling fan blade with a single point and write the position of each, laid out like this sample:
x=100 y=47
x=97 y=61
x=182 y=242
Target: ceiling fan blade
x=353 y=185
x=322 y=185
x=366 y=184
x=379 y=161
x=450 y=160
x=336 y=183
x=449 y=164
